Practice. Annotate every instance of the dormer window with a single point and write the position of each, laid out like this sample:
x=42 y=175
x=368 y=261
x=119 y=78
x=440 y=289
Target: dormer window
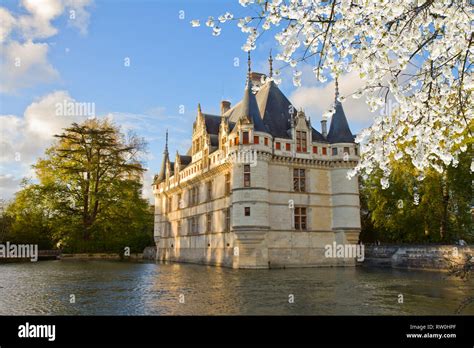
x=245 y=137
x=301 y=141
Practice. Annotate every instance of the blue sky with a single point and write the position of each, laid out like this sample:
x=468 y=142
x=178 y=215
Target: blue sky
x=171 y=64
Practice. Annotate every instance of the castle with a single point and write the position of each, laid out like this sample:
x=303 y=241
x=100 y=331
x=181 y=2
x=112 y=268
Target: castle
x=259 y=187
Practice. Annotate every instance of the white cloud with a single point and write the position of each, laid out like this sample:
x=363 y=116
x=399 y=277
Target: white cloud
x=24 y=63
x=8 y=23
x=317 y=100
x=25 y=138
x=78 y=15
x=38 y=24
x=8 y=186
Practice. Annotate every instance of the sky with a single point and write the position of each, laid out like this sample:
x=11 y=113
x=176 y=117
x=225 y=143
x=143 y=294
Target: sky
x=140 y=63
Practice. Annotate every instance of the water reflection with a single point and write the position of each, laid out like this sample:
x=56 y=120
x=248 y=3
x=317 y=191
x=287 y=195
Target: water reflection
x=104 y=287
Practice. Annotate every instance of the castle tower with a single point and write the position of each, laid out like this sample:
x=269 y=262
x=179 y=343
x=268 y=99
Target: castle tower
x=345 y=192
x=250 y=209
x=160 y=201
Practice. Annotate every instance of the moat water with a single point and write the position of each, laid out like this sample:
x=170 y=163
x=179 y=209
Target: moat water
x=121 y=288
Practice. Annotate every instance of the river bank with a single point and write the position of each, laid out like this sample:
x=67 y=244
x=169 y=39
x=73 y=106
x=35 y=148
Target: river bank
x=419 y=257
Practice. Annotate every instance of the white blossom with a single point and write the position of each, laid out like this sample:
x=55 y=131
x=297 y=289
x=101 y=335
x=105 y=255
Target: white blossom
x=418 y=54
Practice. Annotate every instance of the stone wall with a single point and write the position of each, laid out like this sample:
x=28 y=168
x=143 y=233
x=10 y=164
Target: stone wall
x=431 y=257
x=149 y=253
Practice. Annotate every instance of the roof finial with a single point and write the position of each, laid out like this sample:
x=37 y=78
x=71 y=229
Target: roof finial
x=249 y=64
x=270 y=62
x=166 y=143
x=336 y=89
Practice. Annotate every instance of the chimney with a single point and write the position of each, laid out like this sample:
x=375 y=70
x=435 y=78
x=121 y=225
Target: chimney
x=324 y=127
x=256 y=78
x=225 y=106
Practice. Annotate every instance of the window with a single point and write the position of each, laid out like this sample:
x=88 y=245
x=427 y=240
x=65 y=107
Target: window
x=227 y=184
x=256 y=139
x=288 y=147
x=247 y=211
x=208 y=222
x=346 y=150
x=193 y=196
x=301 y=141
x=180 y=231
x=245 y=137
x=334 y=151
x=180 y=202
x=227 y=220
x=299 y=180
x=209 y=190
x=196 y=195
x=325 y=152
x=246 y=175
x=193 y=225
x=167 y=229
x=266 y=141
x=355 y=151
x=197 y=145
x=236 y=141
x=300 y=218
x=278 y=146
x=168 y=203
x=315 y=149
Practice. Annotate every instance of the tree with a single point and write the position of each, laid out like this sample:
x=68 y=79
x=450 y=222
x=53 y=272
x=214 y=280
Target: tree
x=89 y=190
x=27 y=219
x=417 y=52
x=434 y=209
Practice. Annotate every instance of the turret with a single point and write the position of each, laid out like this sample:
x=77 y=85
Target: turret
x=162 y=174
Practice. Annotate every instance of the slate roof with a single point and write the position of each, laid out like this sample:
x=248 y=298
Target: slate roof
x=339 y=131
x=275 y=109
x=185 y=160
x=316 y=136
x=269 y=111
x=162 y=174
x=248 y=108
x=212 y=123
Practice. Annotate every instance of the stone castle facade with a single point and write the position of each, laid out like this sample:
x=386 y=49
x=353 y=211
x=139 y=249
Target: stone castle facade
x=259 y=188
